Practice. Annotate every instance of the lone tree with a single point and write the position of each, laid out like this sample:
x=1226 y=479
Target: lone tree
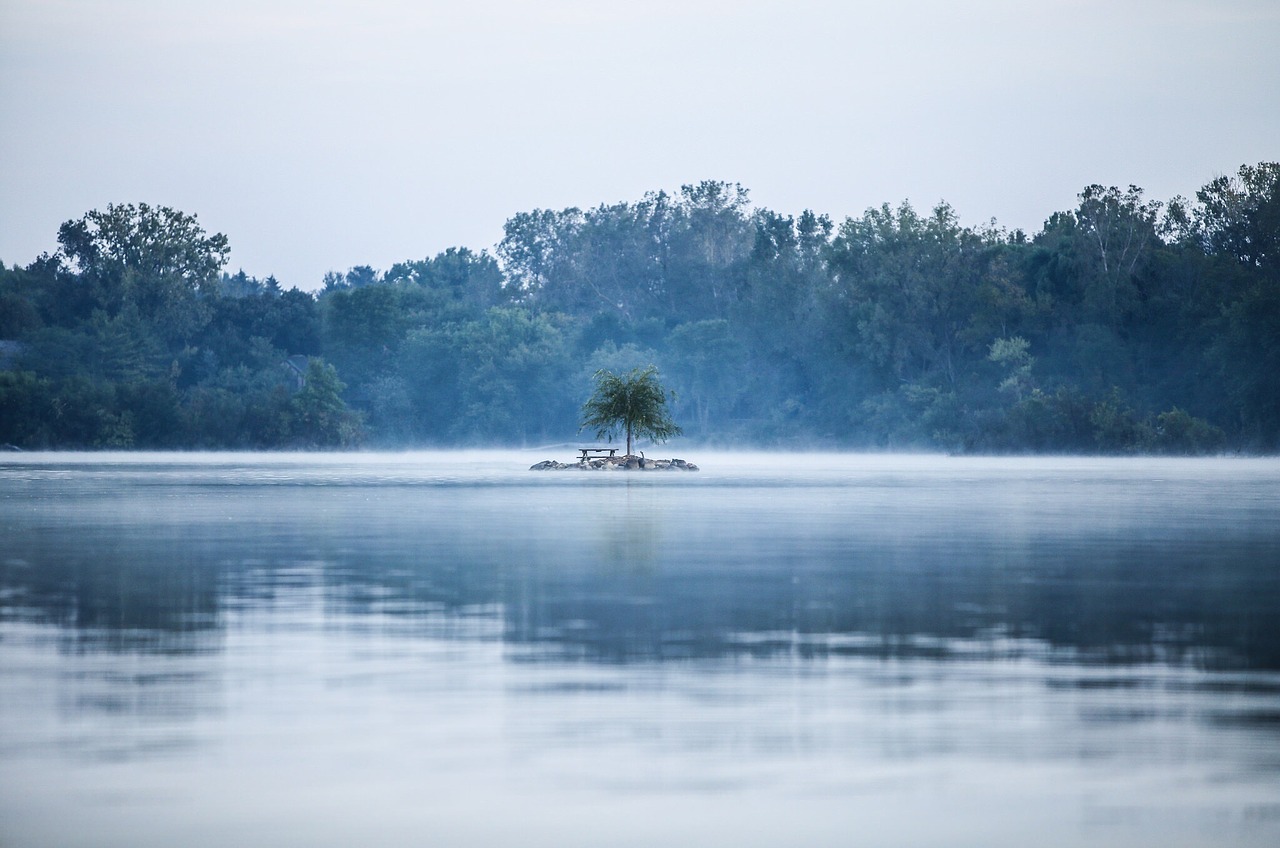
x=635 y=403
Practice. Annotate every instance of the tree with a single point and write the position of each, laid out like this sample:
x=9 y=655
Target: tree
x=1014 y=355
x=1240 y=216
x=321 y=417
x=635 y=402
x=1120 y=230
x=498 y=377
x=913 y=295
x=708 y=364
x=155 y=259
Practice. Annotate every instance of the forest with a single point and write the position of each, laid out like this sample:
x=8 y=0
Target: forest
x=1125 y=325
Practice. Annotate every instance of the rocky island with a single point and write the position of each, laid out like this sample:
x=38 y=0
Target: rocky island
x=615 y=463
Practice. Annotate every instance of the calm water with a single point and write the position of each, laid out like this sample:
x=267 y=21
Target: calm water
x=447 y=649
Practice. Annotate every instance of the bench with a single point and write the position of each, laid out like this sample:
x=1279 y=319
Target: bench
x=586 y=452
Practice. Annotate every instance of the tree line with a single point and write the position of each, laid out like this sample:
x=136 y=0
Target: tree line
x=1125 y=324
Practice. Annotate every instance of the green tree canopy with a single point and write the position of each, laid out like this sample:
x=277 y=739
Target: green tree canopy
x=634 y=402
x=321 y=417
x=155 y=259
x=1154 y=326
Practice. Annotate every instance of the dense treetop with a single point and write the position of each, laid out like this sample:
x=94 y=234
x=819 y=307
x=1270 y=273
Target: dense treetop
x=1124 y=324
x=632 y=404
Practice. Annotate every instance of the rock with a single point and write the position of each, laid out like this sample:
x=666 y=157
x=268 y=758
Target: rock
x=616 y=463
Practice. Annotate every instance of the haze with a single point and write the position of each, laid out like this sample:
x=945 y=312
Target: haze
x=319 y=136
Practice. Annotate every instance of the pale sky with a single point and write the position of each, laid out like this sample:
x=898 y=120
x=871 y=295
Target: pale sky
x=322 y=134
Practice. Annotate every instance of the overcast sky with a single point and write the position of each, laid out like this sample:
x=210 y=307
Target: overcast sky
x=322 y=134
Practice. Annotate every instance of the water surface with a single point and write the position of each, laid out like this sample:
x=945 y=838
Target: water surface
x=447 y=649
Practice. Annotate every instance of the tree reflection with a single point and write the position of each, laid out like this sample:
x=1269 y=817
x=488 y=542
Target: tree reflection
x=631 y=594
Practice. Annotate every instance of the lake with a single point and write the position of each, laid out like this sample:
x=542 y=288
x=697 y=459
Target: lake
x=778 y=650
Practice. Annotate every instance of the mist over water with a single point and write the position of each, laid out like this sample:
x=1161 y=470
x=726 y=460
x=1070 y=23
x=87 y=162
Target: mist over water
x=212 y=649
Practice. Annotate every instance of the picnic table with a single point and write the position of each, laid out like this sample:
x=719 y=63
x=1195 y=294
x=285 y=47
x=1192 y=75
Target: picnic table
x=586 y=452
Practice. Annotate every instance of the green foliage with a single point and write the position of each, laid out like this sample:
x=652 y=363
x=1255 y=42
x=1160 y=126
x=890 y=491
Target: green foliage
x=257 y=314
x=1154 y=327
x=511 y=369
x=500 y=376
x=239 y=410
x=26 y=409
x=1061 y=422
x=665 y=257
x=1179 y=433
x=18 y=312
x=156 y=261
x=708 y=360
x=1240 y=216
x=129 y=338
x=635 y=403
x=320 y=416
x=1014 y=355
x=1247 y=360
x=1118 y=231
x=1116 y=428
x=1070 y=422
x=915 y=290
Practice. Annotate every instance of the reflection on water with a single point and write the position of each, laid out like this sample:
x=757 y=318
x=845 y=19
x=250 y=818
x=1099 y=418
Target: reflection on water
x=215 y=649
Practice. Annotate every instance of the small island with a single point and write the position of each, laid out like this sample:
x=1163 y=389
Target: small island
x=616 y=463
x=633 y=403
